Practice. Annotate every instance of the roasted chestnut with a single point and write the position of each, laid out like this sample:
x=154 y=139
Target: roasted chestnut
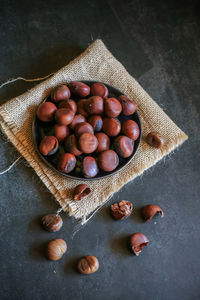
x=149 y=211
x=99 y=89
x=121 y=210
x=79 y=89
x=81 y=191
x=81 y=107
x=103 y=142
x=130 y=129
x=128 y=106
x=60 y=93
x=89 y=167
x=108 y=160
x=64 y=116
x=82 y=128
x=137 y=242
x=61 y=132
x=45 y=111
x=67 y=162
x=52 y=222
x=87 y=142
x=94 y=105
x=70 y=145
x=77 y=120
x=88 y=264
x=48 y=145
x=96 y=122
x=111 y=126
x=123 y=146
x=155 y=139
x=55 y=249
x=71 y=104
x=112 y=107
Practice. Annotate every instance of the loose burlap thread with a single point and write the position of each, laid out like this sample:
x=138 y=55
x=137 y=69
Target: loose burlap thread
x=98 y=64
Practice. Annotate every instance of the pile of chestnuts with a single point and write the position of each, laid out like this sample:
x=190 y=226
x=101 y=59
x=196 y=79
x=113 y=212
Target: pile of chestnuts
x=85 y=129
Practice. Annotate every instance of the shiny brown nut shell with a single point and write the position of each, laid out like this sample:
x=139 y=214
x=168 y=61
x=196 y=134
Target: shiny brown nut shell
x=94 y=105
x=79 y=89
x=137 y=242
x=112 y=107
x=48 y=145
x=103 y=142
x=70 y=145
x=81 y=107
x=81 y=191
x=88 y=264
x=155 y=139
x=64 y=116
x=96 y=122
x=77 y=120
x=61 y=132
x=111 y=126
x=71 y=104
x=99 y=89
x=121 y=210
x=67 y=162
x=108 y=160
x=45 y=111
x=52 y=222
x=124 y=146
x=131 y=129
x=89 y=167
x=55 y=249
x=60 y=93
x=149 y=211
x=128 y=106
x=83 y=128
x=87 y=142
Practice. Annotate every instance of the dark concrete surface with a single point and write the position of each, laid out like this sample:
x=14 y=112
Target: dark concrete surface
x=159 y=44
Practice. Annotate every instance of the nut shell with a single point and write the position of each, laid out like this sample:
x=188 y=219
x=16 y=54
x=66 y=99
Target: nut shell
x=81 y=191
x=52 y=222
x=60 y=93
x=45 y=111
x=55 y=249
x=149 y=211
x=48 y=145
x=121 y=210
x=88 y=264
x=137 y=242
x=155 y=139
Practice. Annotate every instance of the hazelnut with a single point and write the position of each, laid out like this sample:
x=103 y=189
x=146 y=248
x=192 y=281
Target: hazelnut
x=52 y=223
x=71 y=104
x=94 y=105
x=70 y=145
x=81 y=191
x=67 y=162
x=111 y=126
x=64 y=116
x=99 y=89
x=154 y=139
x=128 y=106
x=81 y=107
x=137 y=242
x=60 y=93
x=96 y=122
x=89 y=167
x=77 y=120
x=61 y=132
x=45 y=111
x=79 y=89
x=149 y=211
x=87 y=143
x=108 y=160
x=130 y=129
x=82 y=128
x=48 y=145
x=56 y=249
x=121 y=210
x=88 y=264
x=123 y=146
x=103 y=142
x=112 y=107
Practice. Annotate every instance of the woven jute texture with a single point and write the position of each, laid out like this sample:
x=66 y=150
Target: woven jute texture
x=98 y=64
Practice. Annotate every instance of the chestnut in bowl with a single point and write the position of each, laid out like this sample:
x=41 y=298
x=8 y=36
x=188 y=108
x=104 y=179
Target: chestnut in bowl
x=60 y=93
x=103 y=142
x=61 y=132
x=111 y=126
x=81 y=107
x=70 y=145
x=79 y=89
x=71 y=104
x=94 y=105
x=77 y=120
x=48 y=145
x=87 y=142
x=128 y=105
x=89 y=167
x=124 y=146
x=131 y=129
x=83 y=128
x=96 y=122
x=108 y=160
x=99 y=89
x=67 y=162
x=64 y=116
x=45 y=111
x=112 y=107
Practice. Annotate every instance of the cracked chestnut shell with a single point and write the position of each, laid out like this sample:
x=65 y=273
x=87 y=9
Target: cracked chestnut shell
x=64 y=116
x=81 y=191
x=99 y=89
x=121 y=210
x=79 y=89
x=81 y=107
x=61 y=132
x=155 y=139
x=52 y=222
x=88 y=264
x=128 y=106
x=112 y=107
x=131 y=129
x=137 y=242
x=67 y=162
x=83 y=128
x=111 y=126
x=89 y=167
x=55 y=249
x=77 y=120
x=71 y=104
x=94 y=105
x=48 y=145
x=108 y=160
x=87 y=142
x=70 y=145
x=124 y=146
x=149 y=211
x=45 y=111
x=60 y=93
x=103 y=142
x=96 y=122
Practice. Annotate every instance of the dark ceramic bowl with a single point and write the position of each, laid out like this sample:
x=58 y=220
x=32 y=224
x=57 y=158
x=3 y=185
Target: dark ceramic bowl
x=40 y=129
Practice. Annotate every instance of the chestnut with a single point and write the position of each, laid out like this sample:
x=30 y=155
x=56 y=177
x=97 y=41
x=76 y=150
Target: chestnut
x=112 y=107
x=77 y=120
x=70 y=145
x=94 y=105
x=155 y=139
x=123 y=146
x=60 y=93
x=128 y=105
x=99 y=89
x=111 y=126
x=88 y=264
x=108 y=160
x=81 y=107
x=137 y=242
x=149 y=211
x=52 y=222
x=79 y=89
x=121 y=210
x=130 y=129
x=71 y=104
x=81 y=191
x=89 y=167
x=45 y=111
x=61 y=132
x=64 y=116
x=67 y=162
x=96 y=122
x=48 y=145
x=87 y=142
x=55 y=249
x=82 y=128
x=103 y=142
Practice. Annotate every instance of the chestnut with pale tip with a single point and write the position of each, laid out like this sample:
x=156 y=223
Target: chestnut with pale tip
x=88 y=264
x=55 y=249
x=149 y=211
x=52 y=222
x=137 y=242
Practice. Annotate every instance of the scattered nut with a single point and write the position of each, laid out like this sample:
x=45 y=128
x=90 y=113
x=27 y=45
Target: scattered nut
x=55 y=249
x=121 y=210
x=154 y=139
x=52 y=222
x=137 y=242
x=81 y=191
x=149 y=211
x=88 y=264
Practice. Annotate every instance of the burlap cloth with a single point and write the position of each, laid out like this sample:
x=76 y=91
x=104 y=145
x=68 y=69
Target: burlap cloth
x=96 y=63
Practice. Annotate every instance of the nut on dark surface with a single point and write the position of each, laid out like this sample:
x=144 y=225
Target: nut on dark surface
x=121 y=210
x=55 y=249
x=137 y=242
x=81 y=191
x=149 y=211
x=52 y=222
x=155 y=139
x=88 y=264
